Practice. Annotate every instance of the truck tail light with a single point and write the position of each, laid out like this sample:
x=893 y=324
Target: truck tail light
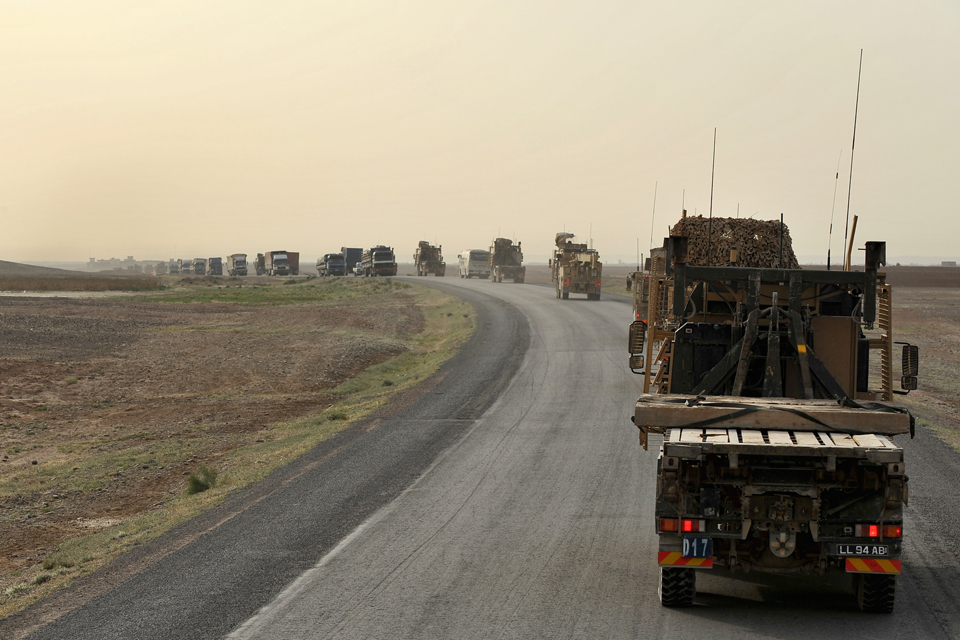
x=878 y=530
x=670 y=525
x=693 y=526
x=598 y=282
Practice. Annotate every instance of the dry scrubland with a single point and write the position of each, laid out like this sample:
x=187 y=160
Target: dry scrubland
x=116 y=413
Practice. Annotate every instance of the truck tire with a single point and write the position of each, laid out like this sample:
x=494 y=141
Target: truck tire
x=677 y=587
x=875 y=593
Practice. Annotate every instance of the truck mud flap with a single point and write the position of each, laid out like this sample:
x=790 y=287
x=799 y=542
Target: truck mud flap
x=676 y=559
x=873 y=565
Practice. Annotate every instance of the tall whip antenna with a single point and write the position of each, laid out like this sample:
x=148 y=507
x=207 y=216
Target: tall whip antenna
x=836 y=182
x=853 y=144
x=710 y=219
x=654 y=216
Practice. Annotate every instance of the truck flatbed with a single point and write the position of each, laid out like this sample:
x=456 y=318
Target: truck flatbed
x=692 y=443
x=658 y=412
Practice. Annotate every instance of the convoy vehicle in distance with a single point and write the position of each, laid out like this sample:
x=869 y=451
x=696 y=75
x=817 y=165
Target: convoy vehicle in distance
x=358 y=269
x=378 y=261
x=215 y=266
x=186 y=267
x=173 y=267
x=331 y=264
x=777 y=456
x=506 y=261
x=278 y=263
x=575 y=268
x=237 y=264
x=429 y=259
x=474 y=263
x=199 y=266
x=351 y=257
x=160 y=269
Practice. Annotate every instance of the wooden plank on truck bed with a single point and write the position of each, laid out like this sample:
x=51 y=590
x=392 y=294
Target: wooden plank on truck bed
x=752 y=437
x=867 y=440
x=692 y=435
x=807 y=439
x=716 y=435
x=674 y=435
x=843 y=440
x=778 y=414
x=733 y=436
x=887 y=442
x=779 y=437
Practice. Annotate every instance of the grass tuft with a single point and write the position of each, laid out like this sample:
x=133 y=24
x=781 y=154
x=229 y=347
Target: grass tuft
x=204 y=479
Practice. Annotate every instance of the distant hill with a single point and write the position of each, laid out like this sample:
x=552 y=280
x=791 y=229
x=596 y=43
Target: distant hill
x=17 y=269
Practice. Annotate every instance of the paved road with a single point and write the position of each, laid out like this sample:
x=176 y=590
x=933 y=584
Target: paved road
x=535 y=521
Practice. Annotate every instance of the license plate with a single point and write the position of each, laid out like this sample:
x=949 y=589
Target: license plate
x=697 y=547
x=871 y=550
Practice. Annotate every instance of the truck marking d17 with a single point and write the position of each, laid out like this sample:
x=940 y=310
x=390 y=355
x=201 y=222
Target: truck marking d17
x=777 y=452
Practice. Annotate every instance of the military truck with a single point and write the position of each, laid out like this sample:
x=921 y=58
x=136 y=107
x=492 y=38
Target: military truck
x=331 y=264
x=378 y=261
x=429 y=259
x=173 y=267
x=160 y=269
x=186 y=267
x=237 y=264
x=777 y=450
x=215 y=266
x=575 y=268
x=506 y=261
x=351 y=256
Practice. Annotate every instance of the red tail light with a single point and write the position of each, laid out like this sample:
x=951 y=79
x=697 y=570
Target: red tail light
x=693 y=526
x=598 y=283
x=877 y=531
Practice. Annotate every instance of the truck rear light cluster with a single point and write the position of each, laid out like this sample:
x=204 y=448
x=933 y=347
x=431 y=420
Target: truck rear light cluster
x=693 y=526
x=878 y=531
x=671 y=525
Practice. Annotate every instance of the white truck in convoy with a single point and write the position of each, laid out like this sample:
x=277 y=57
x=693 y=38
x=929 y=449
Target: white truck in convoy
x=475 y=263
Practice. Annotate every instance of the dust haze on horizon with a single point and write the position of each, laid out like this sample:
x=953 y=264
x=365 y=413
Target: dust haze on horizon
x=181 y=129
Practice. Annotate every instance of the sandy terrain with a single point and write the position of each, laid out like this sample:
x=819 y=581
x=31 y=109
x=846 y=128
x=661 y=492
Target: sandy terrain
x=157 y=389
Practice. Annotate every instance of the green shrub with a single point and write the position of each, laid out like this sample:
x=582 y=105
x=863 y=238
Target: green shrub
x=204 y=479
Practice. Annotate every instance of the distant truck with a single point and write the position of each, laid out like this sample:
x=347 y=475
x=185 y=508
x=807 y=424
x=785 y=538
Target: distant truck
x=378 y=261
x=428 y=259
x=215 y=266
x=506 y=261
x=474 y=263
x=351 y=257
x=237 y=264
x=575 y=268
x=276 y=263
x=199 y=266
x=173 y=267
x=160 y=269
x=331 y=264
x=186 y=267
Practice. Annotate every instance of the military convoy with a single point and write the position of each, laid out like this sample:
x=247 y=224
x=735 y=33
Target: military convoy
x=428 y=259
x=506 y=261
x=237 y=264
x=575 y=268
x=777 y=450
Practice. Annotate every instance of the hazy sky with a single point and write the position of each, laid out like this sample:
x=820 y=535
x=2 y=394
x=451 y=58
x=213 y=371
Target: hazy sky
x=184 y=129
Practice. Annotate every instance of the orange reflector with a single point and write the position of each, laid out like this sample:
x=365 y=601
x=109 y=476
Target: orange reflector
x=892 y=531
x=669 y=524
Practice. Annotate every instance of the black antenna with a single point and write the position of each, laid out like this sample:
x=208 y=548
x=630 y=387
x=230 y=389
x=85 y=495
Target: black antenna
x=836 y=182
x=853 y=144
x=652 y=217
x=781 y=241
x=710 y=219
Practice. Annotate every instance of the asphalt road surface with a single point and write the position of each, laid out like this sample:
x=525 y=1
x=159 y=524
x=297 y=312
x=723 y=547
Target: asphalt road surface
x=528 y=517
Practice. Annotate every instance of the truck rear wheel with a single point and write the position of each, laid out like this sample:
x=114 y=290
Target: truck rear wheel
x=677 y=587
x=875 y=593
